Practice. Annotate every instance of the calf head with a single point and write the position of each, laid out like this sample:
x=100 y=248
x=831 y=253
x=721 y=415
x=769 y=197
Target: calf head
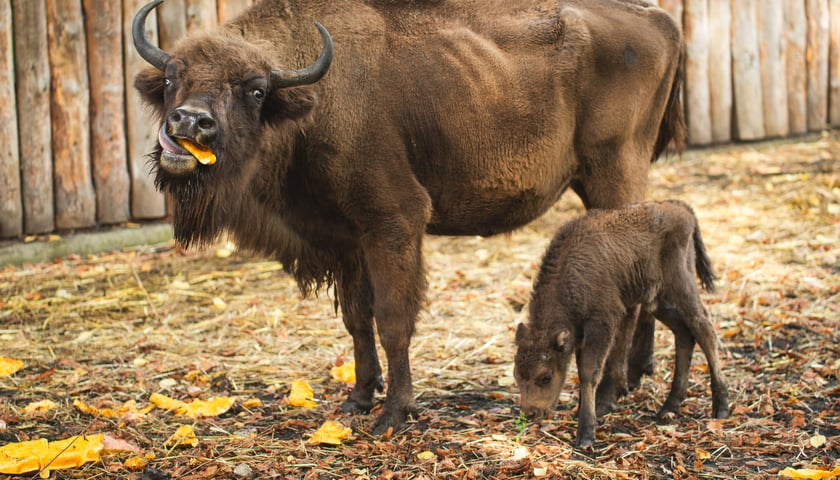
x=542 y=359
x=220 y=94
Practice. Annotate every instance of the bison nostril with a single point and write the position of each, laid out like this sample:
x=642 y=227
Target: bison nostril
x=206 y=124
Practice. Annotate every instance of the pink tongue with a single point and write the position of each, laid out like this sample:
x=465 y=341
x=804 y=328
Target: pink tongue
x=168 y=144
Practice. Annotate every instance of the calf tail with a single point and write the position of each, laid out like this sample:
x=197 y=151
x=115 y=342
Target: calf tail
x=701 y=261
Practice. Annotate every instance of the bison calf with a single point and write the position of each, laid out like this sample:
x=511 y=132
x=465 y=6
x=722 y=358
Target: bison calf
x=597 y=270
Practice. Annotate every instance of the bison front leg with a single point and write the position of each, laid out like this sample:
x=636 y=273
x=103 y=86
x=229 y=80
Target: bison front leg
x=598 y=339
x=399 y=286
x=356 y=301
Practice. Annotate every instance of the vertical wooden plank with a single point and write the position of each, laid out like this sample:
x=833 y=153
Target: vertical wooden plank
x=720 y=70
x=746 y=73
x=796 y=40
x=230 y=9
x=698 y=111
x=773 y=71
x=834 y=63
x=75 y=205
x=11 y=206
x=201 y=15
x=146 y=202
x=32 y=80
x=172 y=22
x=816 y=60
x=103 y=23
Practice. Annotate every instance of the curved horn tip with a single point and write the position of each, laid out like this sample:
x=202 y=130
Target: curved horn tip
x=151 y=53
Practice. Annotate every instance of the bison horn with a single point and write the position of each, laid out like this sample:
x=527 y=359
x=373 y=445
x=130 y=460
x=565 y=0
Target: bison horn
x=310 y=74
x=152 y=54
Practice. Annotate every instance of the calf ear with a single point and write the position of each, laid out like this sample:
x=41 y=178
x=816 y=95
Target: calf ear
x=521 y=332
x=289 y=104
x=561 y=339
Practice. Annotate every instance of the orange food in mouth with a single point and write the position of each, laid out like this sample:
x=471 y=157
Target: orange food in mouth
x=201 y=153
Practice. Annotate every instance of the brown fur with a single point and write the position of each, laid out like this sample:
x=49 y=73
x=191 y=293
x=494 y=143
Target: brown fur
x=442 y=116
x=597 y=271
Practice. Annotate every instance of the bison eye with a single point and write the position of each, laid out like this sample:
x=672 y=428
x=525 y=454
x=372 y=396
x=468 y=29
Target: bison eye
x=545 y=380
x=258 y=94
x=167 y=82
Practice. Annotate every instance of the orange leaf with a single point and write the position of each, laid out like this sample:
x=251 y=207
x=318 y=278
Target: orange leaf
x=9 y=366
x=331 y=432
x=42 y=456
x=301 y=395
x=344 y=373
x=809 y=473
x=184 y=436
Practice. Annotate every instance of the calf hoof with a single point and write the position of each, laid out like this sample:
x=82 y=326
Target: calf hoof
x=585 y=441
x=721 y=411
x=666 y=415
x=603 y=408
x=352 y=406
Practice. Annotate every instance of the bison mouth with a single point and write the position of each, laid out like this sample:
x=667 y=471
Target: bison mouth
x=175 y=159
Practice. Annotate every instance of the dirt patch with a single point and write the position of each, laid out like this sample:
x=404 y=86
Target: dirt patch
x=111 y=328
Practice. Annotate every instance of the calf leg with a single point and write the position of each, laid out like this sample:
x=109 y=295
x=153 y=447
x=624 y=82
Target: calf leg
x=704 y=333
x=614 y=383
x=356 y=301
x=684 y=341
x=640 y=359
x=598 y=339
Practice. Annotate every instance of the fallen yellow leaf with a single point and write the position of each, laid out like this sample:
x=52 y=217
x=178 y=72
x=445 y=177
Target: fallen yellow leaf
x=810 y=473
x=184 y=436
x=425 y=455
x=127 y=411
x=135 y=463
x=9 y=366
x=344 y=373
x=252 y=403
x=817 y=440
x=331 y=433
x=301 y=395
x=43 y=456
x=41 y=406
x=702 y=454
x=196 y=408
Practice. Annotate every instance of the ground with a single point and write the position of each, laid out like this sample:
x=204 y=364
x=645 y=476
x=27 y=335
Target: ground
x=116 y=327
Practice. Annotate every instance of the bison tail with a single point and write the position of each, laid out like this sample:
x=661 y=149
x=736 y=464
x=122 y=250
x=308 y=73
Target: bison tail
x=672 y=128
x=702 y=263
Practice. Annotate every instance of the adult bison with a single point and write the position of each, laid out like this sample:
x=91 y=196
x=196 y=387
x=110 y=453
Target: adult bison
x=453 y=117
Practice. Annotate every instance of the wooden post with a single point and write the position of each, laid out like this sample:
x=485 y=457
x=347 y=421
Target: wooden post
x=720 y=70
x=75 y=205
x=773 y=71
x=172 y=22
x=146 y=202
x=201 y=15
x=834 y=64
x=103 y=21
x=749 y=113
x=11 y=207
x=817 y=64
x=32 y=79
x=696 y=30
x=796 y=40
x=230 y=9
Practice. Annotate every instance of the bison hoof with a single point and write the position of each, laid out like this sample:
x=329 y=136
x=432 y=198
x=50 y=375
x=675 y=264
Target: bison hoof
x=635 y=372
x=390 y=420
x=603 y=408
x=585 y=441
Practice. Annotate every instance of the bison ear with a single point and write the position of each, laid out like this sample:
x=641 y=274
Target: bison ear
x=521 y=333
x=149 y=83
x=289 y=104
x=562 y=339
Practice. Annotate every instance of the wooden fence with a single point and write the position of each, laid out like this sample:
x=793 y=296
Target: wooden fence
x=74 y=135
